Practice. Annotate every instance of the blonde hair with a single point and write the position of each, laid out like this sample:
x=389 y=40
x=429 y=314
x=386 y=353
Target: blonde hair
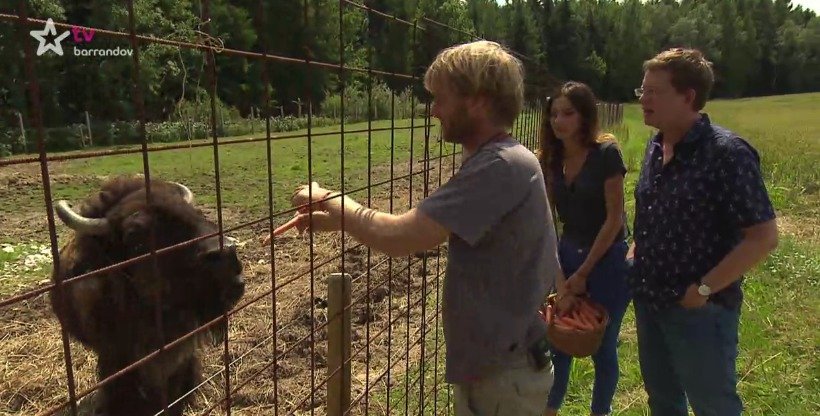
x=481 y=69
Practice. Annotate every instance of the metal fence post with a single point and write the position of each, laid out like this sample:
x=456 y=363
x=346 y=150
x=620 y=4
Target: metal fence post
x=338 y=344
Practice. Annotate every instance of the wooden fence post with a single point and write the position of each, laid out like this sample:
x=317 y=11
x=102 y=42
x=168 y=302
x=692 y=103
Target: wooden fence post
x=252 y=121
x=82 y=136
x=88 y=124
x=338 y=343
x=22 y=131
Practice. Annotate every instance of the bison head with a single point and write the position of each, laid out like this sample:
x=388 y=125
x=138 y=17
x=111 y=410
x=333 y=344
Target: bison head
x=203 y=279
x=114 y=313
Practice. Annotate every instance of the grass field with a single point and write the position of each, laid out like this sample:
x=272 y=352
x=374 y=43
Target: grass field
x=779 y=340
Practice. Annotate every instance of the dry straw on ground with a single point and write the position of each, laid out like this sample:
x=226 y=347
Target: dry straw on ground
x=33 y=375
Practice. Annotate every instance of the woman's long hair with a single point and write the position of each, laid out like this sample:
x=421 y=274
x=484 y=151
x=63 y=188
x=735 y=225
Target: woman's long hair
x=551 y=149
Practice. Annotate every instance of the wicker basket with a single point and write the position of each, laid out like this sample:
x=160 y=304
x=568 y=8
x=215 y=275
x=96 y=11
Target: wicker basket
x=575 y=342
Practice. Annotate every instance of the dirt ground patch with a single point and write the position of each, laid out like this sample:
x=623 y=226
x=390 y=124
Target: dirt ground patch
x=272 y=363
x=805 y=229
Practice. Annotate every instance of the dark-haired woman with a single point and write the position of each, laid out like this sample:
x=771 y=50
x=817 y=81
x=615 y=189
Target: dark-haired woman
x=585 y=172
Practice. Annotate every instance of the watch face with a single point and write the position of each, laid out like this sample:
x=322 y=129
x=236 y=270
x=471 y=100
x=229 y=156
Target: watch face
x=704 y=290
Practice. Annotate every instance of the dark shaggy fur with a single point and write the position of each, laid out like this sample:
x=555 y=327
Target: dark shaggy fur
x=115 y=313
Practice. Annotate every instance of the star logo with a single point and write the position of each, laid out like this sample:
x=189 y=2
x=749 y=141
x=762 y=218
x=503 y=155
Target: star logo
x=45 y=45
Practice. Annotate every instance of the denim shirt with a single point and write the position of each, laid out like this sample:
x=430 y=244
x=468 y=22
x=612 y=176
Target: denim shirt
x=690 y=213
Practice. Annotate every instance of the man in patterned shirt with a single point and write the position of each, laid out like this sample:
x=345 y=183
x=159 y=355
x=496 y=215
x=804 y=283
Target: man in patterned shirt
x=703 y=218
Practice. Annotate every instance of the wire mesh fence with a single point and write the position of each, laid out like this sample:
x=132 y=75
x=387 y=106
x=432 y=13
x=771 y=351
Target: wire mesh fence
x=154 y=317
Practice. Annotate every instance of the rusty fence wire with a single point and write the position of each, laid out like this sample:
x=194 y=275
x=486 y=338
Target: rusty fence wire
x=326 y=326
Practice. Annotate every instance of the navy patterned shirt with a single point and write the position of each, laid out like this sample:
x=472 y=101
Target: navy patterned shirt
x=689 y=213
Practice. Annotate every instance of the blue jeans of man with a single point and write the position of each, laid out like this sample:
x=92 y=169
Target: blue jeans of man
x=606 y=285
x=689 y=354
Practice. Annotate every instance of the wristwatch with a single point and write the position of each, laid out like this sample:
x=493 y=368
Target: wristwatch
x=704 y=290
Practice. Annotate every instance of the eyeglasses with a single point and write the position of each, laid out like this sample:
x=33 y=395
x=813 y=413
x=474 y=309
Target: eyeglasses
x=648 y=91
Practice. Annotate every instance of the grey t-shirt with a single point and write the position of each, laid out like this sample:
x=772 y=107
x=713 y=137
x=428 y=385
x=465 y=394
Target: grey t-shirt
x=502 y=259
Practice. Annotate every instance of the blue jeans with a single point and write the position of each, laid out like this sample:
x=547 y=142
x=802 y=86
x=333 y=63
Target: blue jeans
x=689 y=353
x=606 y=285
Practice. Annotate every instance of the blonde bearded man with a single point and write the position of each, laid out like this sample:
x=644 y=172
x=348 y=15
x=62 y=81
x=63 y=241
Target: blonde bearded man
x=502 y=259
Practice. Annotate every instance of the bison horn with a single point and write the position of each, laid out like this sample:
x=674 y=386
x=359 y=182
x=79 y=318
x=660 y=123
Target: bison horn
x=187 y=195
x=79 y=223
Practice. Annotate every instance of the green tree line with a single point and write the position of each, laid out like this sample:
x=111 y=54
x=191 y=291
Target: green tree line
x=759 y=47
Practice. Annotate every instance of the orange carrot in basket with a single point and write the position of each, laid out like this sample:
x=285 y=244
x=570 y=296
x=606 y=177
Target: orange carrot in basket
x=578 y=314
x=575 y=323
x=590 y=313
x=588 y=317
x=562 y=323
x=586 y=327
x=582 y=318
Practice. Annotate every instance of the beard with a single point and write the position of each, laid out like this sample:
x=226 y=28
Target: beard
x=459 y=128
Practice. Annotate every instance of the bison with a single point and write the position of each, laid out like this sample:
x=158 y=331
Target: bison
x=115 y=313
